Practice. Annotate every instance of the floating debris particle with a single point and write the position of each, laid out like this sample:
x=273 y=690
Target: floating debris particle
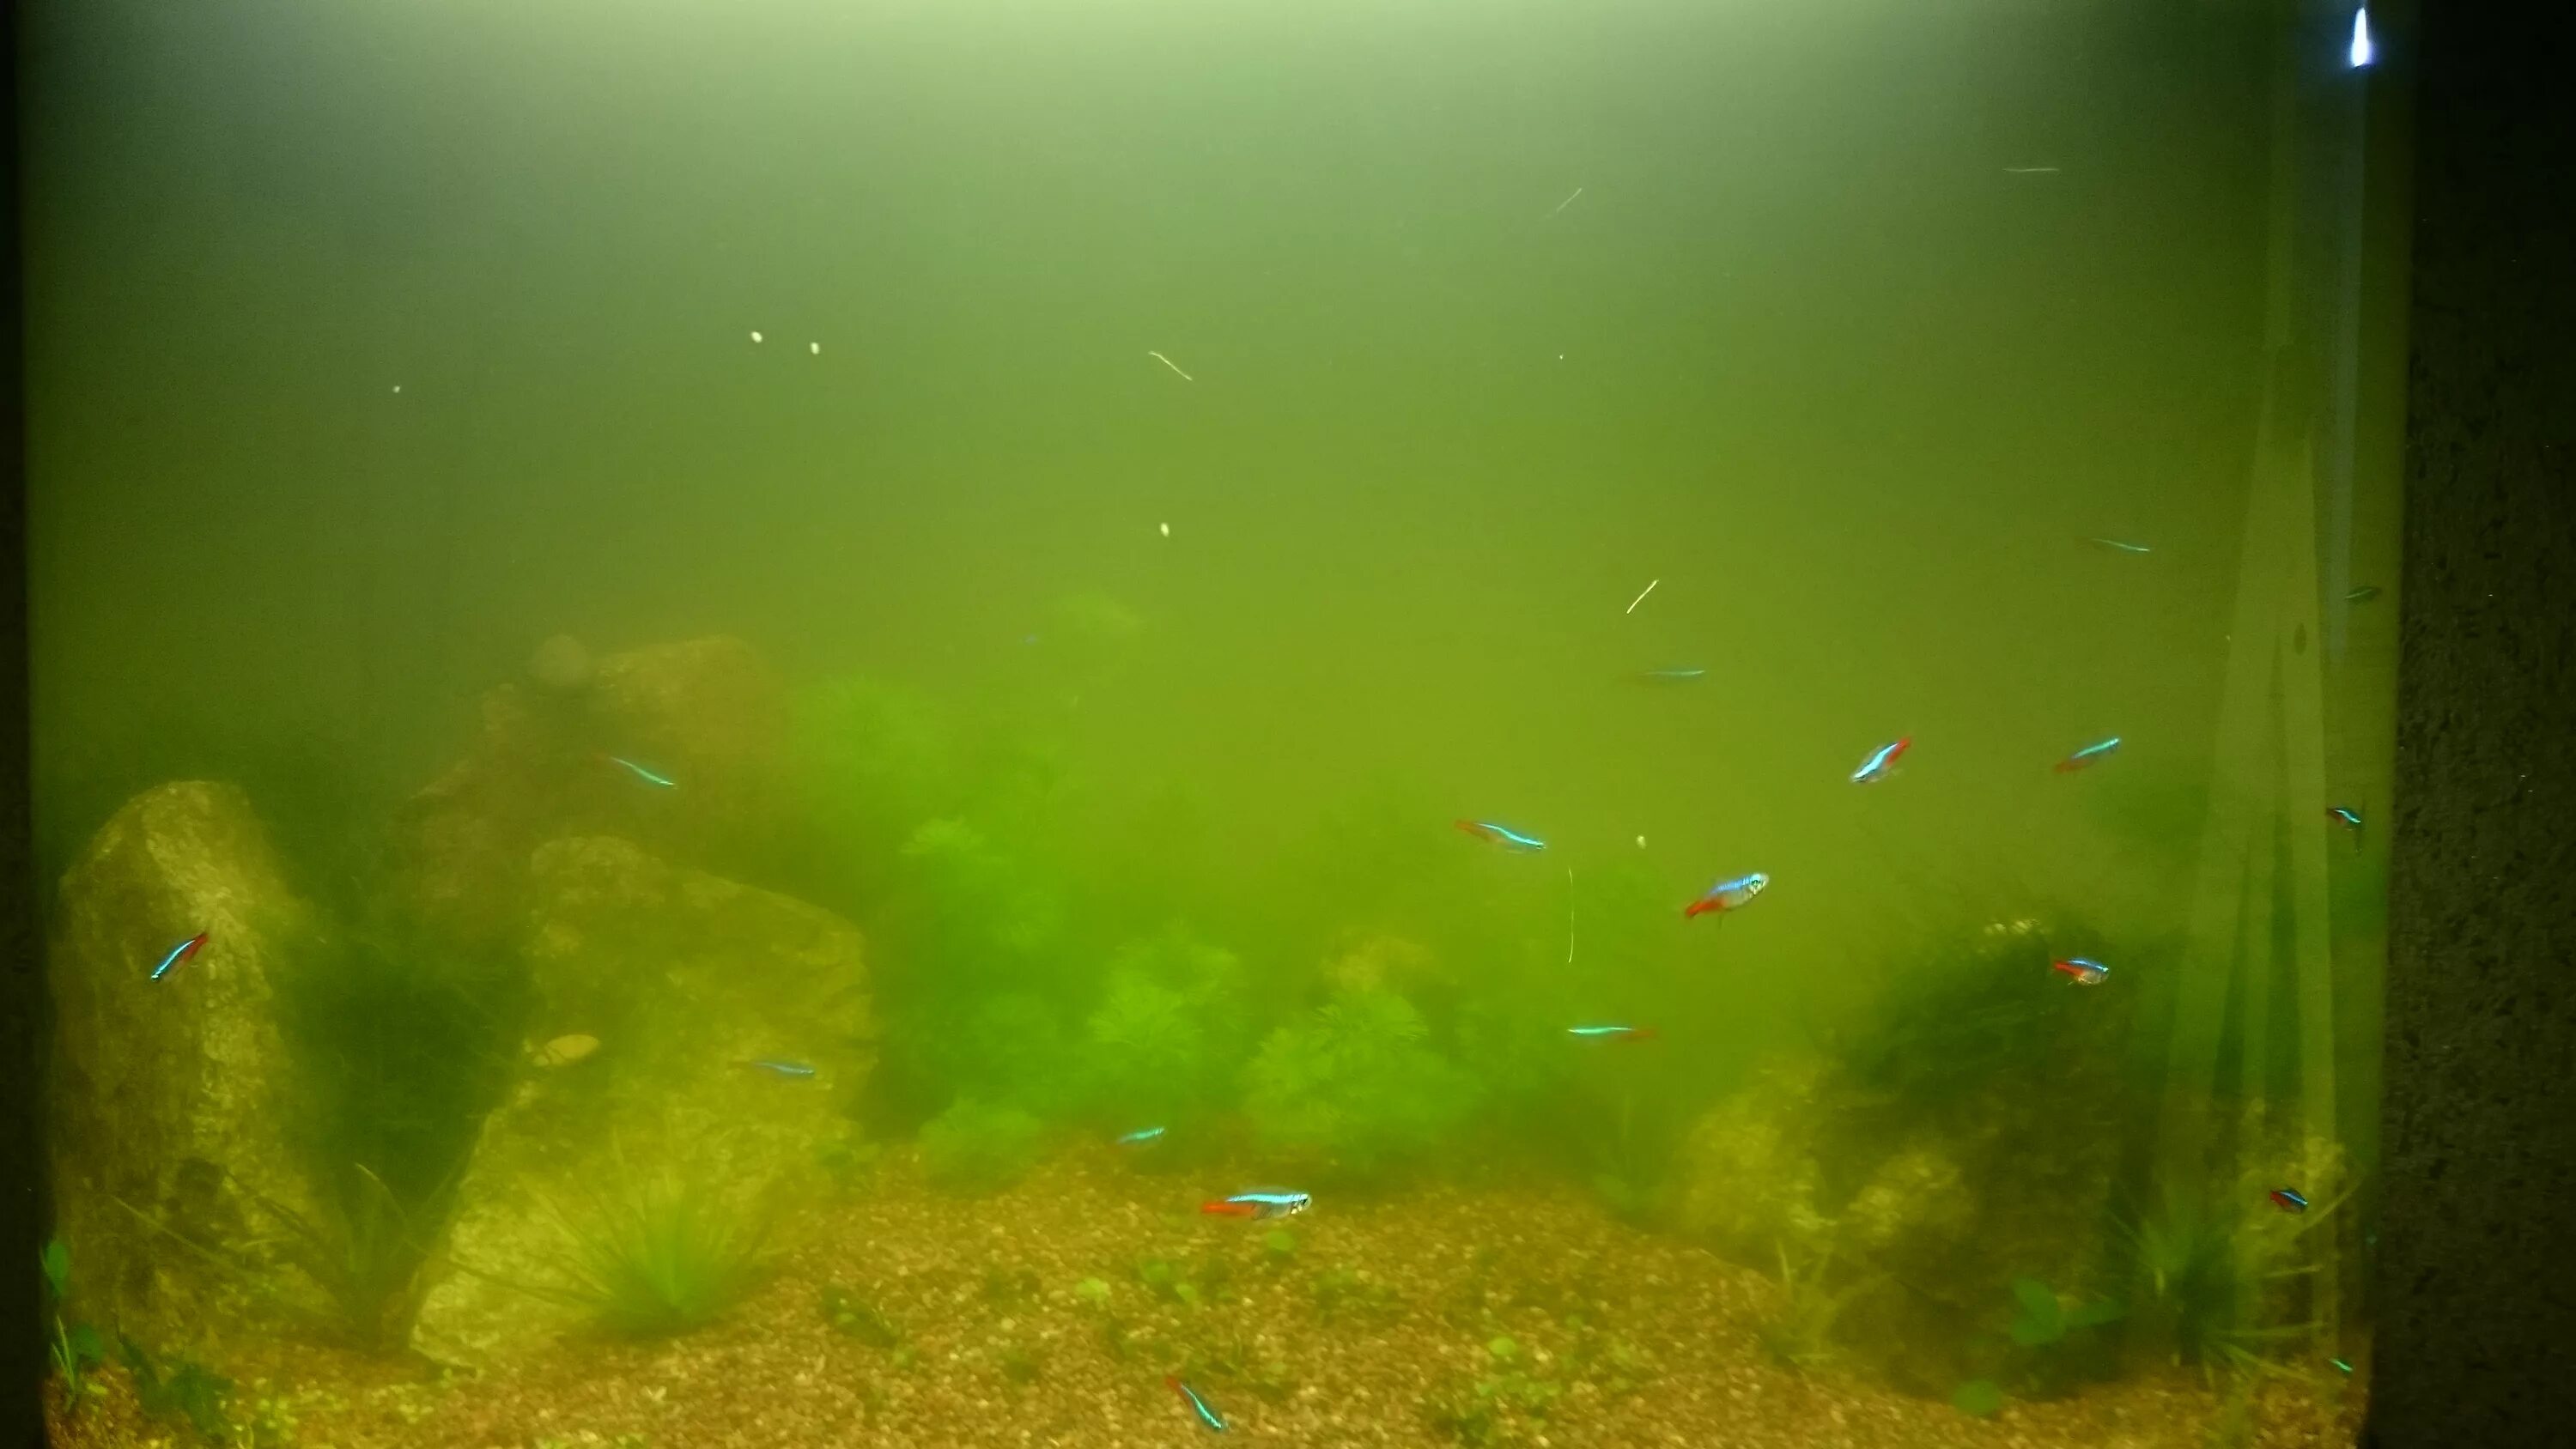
x=1167 y=362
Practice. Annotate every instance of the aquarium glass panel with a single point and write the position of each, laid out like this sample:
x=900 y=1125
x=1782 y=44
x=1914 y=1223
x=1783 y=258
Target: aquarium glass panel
x=1019 y=722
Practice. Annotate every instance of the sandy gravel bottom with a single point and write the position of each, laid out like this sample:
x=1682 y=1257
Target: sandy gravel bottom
x=1370 y=1323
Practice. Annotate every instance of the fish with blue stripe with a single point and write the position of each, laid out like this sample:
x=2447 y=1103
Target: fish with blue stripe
x=1728 y=895
x=1264 y=1203
x=2289 y=1199
x=1881 y=762
x=179 y=953
x=1190 y=1396
x=2091 y=754
x=656 y=780
x=1139 y=1137
x=1611 y=1033
x=778 y=1068
x=1502 y=835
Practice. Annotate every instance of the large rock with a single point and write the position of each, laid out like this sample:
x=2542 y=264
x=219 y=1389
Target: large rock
x=170 y=1098
x=706 y=715
x=682 y=980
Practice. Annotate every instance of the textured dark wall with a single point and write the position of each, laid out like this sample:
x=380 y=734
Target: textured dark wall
x=2477 y=1274
x=22 y=1356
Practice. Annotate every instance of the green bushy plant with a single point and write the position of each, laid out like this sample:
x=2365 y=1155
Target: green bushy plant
x=1357 y=1086
x=1169 y=1025
x=649 y=1254
x=976 y=1147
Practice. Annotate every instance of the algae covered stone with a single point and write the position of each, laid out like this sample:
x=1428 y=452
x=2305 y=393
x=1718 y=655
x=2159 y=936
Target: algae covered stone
x=172 y=1101
x=733 y=1029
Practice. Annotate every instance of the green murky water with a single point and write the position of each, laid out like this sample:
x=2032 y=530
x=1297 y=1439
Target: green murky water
x=1156 y=468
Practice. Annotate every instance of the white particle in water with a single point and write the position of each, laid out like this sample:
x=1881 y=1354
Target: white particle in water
x=815 y=348
x=755 y=337
x=1167 y=530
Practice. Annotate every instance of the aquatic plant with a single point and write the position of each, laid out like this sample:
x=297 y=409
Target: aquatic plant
x=180 y=1389
x=73 y=1348
x=1092 y=1292
x=1146 y=1053
x=647 y=1255
x=1169 y=1024
x=1019 y=1364
x=1978 y=1398
x=1357 y=1086
x=975 y=1148
x=854 y=1316
x=1801 y=1334
x=365 y=1251
x=2044 y=1319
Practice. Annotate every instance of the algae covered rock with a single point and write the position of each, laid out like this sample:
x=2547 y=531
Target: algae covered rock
x=1748 y=1176
x=727 y=1029
x=675 y=745
x=171 y=1099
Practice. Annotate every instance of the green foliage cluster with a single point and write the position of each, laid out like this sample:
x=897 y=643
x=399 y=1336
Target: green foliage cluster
x=181 y=1390
x=648 y=1255
x=74 y=1348
x=1501 y=1400
x=1163 y=1043
x=1357 y=1086
x=976 y=1147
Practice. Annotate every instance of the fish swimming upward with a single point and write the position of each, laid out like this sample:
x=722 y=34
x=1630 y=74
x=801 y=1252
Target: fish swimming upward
x=1504 y=836
x=1269 y=1203
x=1728 y=895
x=179 y=953
x=1881 y=762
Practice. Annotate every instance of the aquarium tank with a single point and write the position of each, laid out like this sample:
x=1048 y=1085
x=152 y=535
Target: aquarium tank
x=1382 y=722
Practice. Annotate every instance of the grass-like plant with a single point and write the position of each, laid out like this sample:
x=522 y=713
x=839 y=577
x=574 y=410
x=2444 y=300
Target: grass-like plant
x=653 y=1254
x=74 y=1348
x=366 y=1251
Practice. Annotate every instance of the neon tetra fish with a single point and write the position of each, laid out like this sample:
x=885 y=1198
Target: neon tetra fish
x=1139 y=1137
x=1504 y=836
x=2088 y=755
x=2289 y=1199
x=1728 y=895
x=2119 y=545
x=782 y=1068
x=1611 y=1033
x=1268 y=1203
x=2345 y=816
x=179 y=953
x=1198 y=1406
x=1881 y=762
x=2082 y=971
x=659 y=782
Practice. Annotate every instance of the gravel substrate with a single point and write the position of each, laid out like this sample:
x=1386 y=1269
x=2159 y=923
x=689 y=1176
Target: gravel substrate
x=1437 y=1317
